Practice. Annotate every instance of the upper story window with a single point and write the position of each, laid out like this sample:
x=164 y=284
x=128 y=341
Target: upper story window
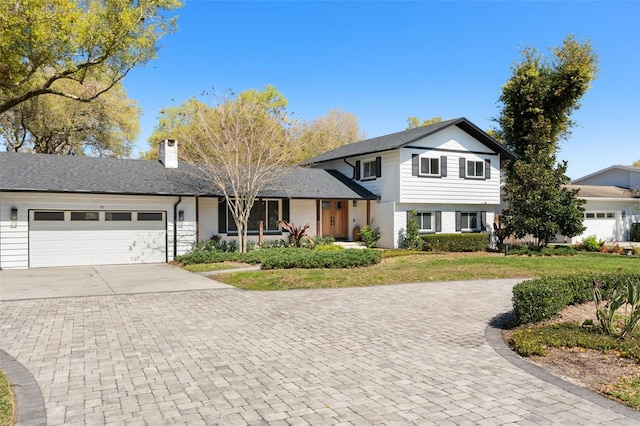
x=368 y=169
x=475 y=169
x=430 y=166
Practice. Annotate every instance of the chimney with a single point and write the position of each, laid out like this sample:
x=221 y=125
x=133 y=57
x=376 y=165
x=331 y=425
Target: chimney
x=168 y=153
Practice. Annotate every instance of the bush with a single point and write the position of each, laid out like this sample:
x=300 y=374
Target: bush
x=370 y=235
x=635 y=231
x=543 y=251
x=591 y=243
x=309 y=259
x=203 y=256
x=412 y=240
x=542 y=298
x=327 y=247
x=456 y=242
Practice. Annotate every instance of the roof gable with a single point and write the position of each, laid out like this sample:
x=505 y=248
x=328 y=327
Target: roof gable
x=406 y=137
x=621 y=175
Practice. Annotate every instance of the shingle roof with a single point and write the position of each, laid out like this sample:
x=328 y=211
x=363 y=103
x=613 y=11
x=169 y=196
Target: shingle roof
x=399 y=139
x=59 y=173
x=597 y=191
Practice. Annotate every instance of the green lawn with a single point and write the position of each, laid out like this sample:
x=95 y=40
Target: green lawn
x=6 y=402
x=432 y=267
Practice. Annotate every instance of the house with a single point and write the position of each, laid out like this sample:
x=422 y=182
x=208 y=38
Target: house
x=448 y=172
x=613 y=202
x=66 y=210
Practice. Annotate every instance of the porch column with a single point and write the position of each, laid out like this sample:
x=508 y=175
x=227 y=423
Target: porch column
x=368 y=212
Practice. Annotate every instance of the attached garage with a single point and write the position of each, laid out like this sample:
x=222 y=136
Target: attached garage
x=86 y=237
x=603 y=225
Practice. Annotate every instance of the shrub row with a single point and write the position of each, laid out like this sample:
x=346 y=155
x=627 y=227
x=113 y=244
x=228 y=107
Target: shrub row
x=289 y=257
x=308 y=259
x=455 y=242
x=542 y=298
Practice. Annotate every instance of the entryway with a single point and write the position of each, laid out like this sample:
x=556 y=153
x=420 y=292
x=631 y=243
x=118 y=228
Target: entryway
x=334 y=219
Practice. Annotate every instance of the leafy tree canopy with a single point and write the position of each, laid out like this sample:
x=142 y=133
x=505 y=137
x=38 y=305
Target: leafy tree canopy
x=537 y=102
x=414 y=122
x=48 y=124
x=636 y=164
x=46 y=41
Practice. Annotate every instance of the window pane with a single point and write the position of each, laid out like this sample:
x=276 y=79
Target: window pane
x=473 y=221
x=470 y=169
x=84 y=216
x=611 y=215
x=326 y=205
x=147 y=216
x=479 y=169
x=254 y=217
x=117 y=216
x=435 y=166
x=57 y=216
x=590 y=215
x=273 y=214
x=424 y=166
x=600 y=215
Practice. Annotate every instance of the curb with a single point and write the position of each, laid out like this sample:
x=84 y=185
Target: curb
x=494 y=338
x=30 y=408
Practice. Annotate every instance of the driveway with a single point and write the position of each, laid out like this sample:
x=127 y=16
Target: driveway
x=40 y=283
x=402 y=354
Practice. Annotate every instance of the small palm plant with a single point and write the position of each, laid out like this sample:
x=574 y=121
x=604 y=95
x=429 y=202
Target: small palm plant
x=298 y=233
x=629 y=298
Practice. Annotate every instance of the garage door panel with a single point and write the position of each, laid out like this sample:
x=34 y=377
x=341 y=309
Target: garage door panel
x=604 y=229
x=96 y=243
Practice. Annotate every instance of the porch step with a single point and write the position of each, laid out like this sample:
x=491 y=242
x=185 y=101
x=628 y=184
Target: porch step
x=350 y=244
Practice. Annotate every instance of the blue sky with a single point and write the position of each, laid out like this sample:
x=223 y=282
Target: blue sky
x=385 y=61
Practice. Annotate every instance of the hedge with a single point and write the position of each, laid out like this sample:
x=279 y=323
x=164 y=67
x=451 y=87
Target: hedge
x=309 y=259
x=455 y=242
x=542 y=298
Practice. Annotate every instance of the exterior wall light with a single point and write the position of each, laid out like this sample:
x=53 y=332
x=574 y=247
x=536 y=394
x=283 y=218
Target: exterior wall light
x=14 y=213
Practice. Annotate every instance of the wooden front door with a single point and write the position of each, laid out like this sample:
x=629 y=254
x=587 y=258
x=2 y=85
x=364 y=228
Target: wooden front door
x=334 y=218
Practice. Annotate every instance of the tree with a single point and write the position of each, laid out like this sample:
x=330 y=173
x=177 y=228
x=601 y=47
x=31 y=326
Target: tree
x=44 y=42
x=241 y=147
x=106 y=126
x=335 y=129
x=636 y=164
x=414 y=122
x=537 y=102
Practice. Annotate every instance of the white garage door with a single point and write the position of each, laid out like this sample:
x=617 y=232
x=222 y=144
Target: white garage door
x=601 y=224
x=73 y=238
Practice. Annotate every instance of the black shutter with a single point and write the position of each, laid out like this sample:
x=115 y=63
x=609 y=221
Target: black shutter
x=415 y=164
x=378 y=166
x=487 y=169
x=458 y=221
x=438 y=221
x=285 y=209
x=443 y=166
x=483 y=220
x=222 y=216
x=463 y=168
x=358 y=170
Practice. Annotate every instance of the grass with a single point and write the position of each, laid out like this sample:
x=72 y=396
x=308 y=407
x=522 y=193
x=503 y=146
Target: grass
x=210 y=267
x=627 y=391
x=421 y=267
x=6 y=402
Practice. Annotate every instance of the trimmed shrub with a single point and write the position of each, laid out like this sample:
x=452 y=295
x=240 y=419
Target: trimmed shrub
x=635 y=231
x=308 y=259
x=203 y=256
x=542 y=298
x=456 y=242
x=591 y=243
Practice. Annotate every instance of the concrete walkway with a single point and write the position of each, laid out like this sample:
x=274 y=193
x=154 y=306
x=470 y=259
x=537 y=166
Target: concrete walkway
x=39 y=283
x=403 y=354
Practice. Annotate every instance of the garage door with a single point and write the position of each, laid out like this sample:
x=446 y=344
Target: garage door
x=70 y=238
x=600 y=224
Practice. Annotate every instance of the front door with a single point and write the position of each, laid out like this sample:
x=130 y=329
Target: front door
x=334 y=218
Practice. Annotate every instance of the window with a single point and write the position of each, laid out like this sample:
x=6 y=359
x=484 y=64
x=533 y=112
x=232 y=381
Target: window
x=430 y=166
x=369 y=169
x=611 y=215
x=424 y=220
x=270 y=216
x=117 y=216
x=475 y=169
x=149 y=216
x=84 y=216
x=48 y=216
x=600 y=215
x=469 y=221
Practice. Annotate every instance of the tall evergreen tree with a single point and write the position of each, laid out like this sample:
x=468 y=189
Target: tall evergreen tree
x=537 y=103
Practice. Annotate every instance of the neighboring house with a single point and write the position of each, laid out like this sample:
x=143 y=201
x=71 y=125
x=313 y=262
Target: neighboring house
x=65 y=210
x=613 y=202
x=448 y=172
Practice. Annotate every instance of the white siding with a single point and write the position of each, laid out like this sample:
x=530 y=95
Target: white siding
x=207 y=217
x=14 y=237
x=618 y=229
x=384 y=217
x=614 y=177
x=386 y=186
x=303 y=212
x=453 y=144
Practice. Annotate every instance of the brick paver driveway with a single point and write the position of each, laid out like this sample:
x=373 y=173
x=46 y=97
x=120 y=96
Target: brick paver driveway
x=389 y=355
